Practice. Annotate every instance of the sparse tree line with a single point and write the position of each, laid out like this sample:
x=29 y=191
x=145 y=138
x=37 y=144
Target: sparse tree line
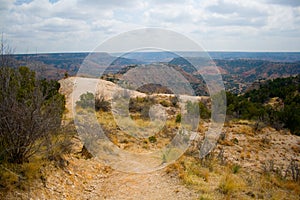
x=6 y=53
x=283 y=112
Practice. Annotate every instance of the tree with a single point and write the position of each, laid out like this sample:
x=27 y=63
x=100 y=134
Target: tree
x=198 y=109
x=6 y=54
x=291 y=118
x=30 y=112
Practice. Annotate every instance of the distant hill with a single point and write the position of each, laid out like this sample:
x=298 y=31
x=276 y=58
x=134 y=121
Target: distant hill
x=149 y=57
x=269 y=56
x=239 y=69
x=165 y=56
x=69 y=62
x=242 y=73
x=168 y=56
x=196 y=83
x=55 y=65
x=256 y=69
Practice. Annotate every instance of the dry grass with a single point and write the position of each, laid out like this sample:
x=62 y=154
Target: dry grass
x=226 y=142
x=201 y=176
x=296 y=148
x=244 y=129
x=136 y=134
x=272 y=187
x=230 y=184
x=22 y=176
x=231 y=181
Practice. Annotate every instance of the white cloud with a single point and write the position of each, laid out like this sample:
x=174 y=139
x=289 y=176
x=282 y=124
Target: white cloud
x=70 y=25
x=285 y=2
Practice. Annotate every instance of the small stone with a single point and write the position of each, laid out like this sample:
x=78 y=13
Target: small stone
x=251 y=194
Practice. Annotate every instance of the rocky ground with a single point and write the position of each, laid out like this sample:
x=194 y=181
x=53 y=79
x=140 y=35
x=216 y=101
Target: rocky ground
x=90 y=179
x=253 y=149
x=87 y=179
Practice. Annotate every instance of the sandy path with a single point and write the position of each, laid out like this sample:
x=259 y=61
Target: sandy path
x=88 y=179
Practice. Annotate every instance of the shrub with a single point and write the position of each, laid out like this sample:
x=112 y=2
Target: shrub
x=152 y=139
x=21 y=176
x=174 y=100
x=165 y=103
x=178 y=118
x=195 y=109
x=141 y=105
x=236 y=169
x=87 y=100
x=294 y=169
x=204 y=111
x=101 y=103
x=91 y=101
x=30 y=110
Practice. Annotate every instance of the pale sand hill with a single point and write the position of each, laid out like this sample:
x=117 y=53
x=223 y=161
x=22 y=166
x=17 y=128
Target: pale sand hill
x=82 y=85
x=73 y=87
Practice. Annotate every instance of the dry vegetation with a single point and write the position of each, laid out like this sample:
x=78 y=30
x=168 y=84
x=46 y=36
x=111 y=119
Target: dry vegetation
x=248 y=162
x=139 y=109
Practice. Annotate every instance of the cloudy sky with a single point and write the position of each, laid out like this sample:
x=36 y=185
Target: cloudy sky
x=217 y=25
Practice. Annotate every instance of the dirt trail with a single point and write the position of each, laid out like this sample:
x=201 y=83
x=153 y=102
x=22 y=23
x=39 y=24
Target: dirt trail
x=105 y=183
x=88 y=179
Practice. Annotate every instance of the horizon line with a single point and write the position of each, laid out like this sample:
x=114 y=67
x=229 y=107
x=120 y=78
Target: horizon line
x=213 y=51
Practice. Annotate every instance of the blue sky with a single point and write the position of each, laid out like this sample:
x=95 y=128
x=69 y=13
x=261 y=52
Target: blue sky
x=217 y=25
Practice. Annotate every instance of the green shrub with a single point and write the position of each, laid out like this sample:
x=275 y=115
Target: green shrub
x=196 y=109
x=141 y=105
x=31 y=111
x=178 y=118
x=87 y=100
x=236 y=169
x=152 y=139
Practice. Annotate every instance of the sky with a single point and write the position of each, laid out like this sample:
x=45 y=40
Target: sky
x=42 y=26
